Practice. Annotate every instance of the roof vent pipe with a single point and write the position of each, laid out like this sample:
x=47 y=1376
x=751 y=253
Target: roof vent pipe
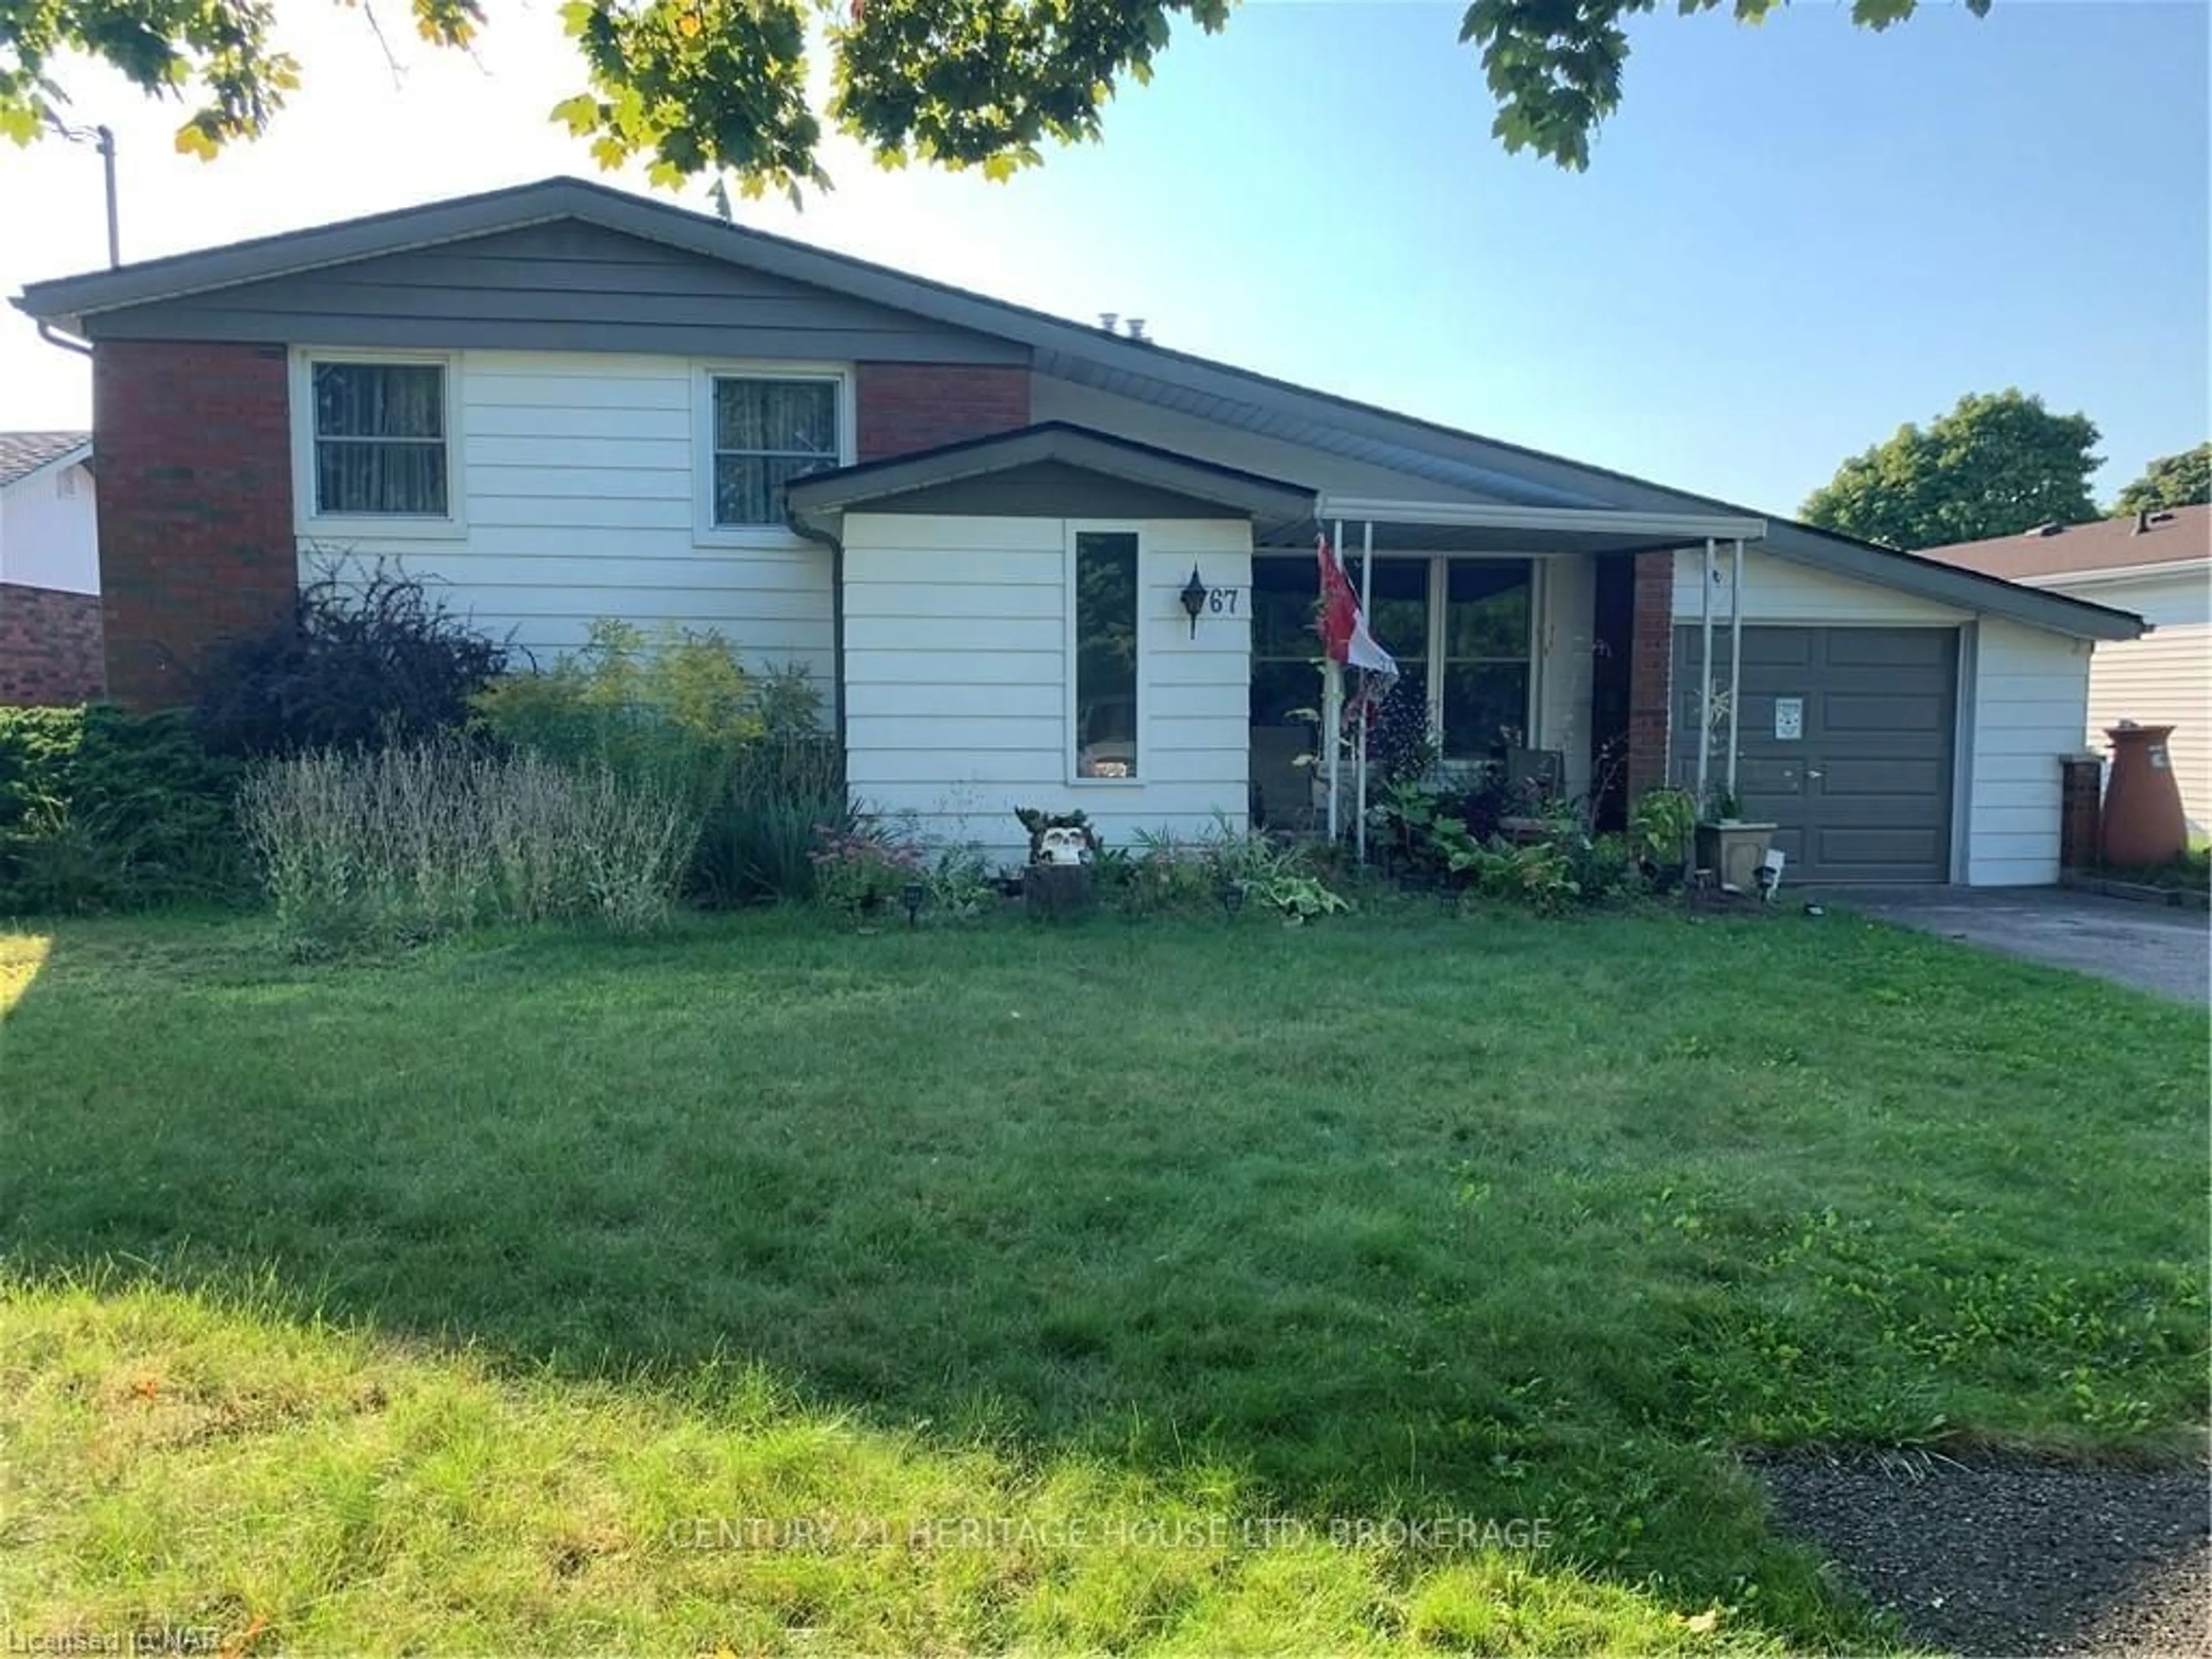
x=2143 y=522
x=1135 y=328
x=1108 y=318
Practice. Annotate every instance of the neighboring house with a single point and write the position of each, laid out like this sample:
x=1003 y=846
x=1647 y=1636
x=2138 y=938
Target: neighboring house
x=2158 y=565
x=49 y=643
x=974 y=524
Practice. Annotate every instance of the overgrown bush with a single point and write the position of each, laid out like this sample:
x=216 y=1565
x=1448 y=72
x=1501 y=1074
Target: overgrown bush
x=681 y=714
x=397 y=845
x=101 y=809
x=371 y=656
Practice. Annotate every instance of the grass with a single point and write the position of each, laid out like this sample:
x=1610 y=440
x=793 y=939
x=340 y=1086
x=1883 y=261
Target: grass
x=561 y=1294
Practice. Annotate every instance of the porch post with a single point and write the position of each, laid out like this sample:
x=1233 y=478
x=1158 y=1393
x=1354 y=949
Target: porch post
x=1705 y=671
x=1735 y=657
x=1366 y=610
x=1332 y=700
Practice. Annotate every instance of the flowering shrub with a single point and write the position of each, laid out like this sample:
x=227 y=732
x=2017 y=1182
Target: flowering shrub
x=860 y=868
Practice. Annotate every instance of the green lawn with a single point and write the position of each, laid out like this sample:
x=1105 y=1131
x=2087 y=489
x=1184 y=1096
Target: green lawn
x=527 y=1293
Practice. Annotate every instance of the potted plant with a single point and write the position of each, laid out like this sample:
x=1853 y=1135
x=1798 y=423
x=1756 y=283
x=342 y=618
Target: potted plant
x=1729 y=845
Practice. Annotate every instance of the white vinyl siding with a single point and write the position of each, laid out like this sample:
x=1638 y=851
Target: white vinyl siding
x=49 y=535
x=957 y=664
x=1780 y=591
x=2164 y=679
x=2029 y=690
x=578 y=476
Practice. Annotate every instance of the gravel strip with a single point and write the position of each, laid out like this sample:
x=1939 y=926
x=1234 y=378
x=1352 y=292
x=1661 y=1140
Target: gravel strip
x=2009 y=1556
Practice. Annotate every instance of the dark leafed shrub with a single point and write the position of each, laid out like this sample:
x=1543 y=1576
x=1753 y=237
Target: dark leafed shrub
x=371 y=657
x=101 y=809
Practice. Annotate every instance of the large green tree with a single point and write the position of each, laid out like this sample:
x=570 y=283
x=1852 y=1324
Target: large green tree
x=1998 y=463
x=719 y=87
x=2183 y=480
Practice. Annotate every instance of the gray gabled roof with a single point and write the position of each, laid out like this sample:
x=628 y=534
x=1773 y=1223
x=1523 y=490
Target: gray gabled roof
x=1485 y=467
x=22 y=453
x=1050 y=441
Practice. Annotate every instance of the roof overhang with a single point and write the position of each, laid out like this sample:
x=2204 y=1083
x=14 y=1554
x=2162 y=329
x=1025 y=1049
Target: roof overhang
x=1268 y=502
x=1538 y=525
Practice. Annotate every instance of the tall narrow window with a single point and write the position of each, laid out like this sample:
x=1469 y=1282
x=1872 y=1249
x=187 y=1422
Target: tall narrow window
x=380 y=439
x=766 y=433
x=1105 y=655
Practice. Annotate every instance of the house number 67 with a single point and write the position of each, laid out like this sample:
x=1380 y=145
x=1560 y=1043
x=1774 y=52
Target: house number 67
x=1221 y=601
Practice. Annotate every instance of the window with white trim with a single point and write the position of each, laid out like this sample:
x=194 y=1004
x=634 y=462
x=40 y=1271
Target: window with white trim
x=764 y=432
x=380 y=444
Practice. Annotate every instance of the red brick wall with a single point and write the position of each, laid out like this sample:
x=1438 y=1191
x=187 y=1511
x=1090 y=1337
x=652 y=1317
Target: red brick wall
x=49 y=646
x=1650 y=671
x=909 y=406
x=196 y=539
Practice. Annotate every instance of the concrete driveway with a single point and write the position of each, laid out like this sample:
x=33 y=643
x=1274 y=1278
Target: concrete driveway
x=2155 y=948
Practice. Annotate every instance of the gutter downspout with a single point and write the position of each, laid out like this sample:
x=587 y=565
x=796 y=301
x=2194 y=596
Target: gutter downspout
x=47 y=332
x=815 y=533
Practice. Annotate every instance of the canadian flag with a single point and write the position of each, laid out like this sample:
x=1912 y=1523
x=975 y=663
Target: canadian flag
x=1344 y=635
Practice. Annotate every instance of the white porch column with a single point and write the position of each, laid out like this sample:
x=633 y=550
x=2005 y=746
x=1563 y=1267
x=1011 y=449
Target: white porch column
x=1332 y=712
x=1367 y=615
x=1735 y=657
x=1705 y=671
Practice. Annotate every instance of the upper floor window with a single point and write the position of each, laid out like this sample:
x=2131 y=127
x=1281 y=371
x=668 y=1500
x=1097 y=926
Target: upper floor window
x=380 y=439
x=765 y=432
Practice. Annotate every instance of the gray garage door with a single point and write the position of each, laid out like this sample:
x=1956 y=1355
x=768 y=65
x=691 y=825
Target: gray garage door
x=1862 y=790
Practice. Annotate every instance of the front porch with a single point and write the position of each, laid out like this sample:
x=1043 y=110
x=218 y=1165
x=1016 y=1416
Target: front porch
x=1531 y=641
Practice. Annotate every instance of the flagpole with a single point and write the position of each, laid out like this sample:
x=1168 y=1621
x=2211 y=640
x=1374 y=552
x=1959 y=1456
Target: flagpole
x=1366 y=713
x=1333 y=700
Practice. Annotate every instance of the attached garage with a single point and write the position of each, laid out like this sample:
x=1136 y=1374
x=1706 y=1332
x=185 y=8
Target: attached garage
x=1901 y=726
x=1847 y=739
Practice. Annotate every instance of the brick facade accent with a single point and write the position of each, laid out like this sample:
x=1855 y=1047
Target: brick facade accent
x=909 y=407
x=1650 y=671
x=195 y=542
x=50 y=650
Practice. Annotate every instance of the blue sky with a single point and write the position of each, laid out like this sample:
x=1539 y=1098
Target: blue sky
x=1791 y=239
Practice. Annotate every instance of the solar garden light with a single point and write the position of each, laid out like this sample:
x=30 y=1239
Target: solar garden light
x=912 y=895
x=1231 y=895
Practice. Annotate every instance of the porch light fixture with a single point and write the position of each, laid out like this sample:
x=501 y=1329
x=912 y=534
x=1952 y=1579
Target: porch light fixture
x=1193 y=599
x=912 y=895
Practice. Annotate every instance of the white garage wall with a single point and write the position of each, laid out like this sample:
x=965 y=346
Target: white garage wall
x=577 y=470
x=956 y=664
x=2029 y=690
x=1778 y=590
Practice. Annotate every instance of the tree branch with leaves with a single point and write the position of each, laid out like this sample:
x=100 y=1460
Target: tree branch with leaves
x=694 y=87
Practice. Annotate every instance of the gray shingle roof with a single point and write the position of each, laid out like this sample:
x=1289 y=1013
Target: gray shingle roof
x=2170 y=536
x=23 y=452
